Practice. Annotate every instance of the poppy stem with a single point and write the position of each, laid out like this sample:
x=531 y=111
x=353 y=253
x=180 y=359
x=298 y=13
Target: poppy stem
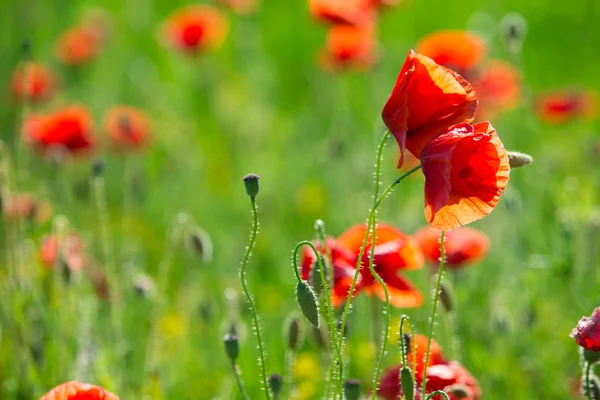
x=255 y=324
x=440 y=392
x=239 y=381
x=587 y=372
x=376 y=320
x=436 y=296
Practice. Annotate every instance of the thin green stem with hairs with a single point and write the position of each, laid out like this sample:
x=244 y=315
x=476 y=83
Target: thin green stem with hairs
x=586 y=376
x=239 y=381
x=440 y=392
x=253 y=311
x=436 y=296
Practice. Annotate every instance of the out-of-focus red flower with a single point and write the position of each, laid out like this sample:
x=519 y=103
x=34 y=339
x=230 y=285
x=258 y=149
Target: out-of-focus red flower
x=458 y=50
x=426 y=99
x=241 y=7
x=71 y=250
x=36 y=84
x=347 y=46
x=69 y=128
x=23 y=205
x=195 y=28
x=79 y=391
x=587 y=331
x=441 y=374
x=564 y=106
x=128 y=126
x=79 y=44
x=463 y=245
x=466 y=170
x=498 y=88
x=350 y=12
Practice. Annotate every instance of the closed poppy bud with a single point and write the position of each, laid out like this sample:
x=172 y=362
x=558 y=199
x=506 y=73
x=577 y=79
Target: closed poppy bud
x=251 y=185
x=78 y=390
x=200 y=244
x=514 y=29
x=587 y=331
x=232 y=346
x=516 y=159
x=466 y=170
x=307 y=300
x=293 y=332
x=446 y=296
x=352 y=389
x=275 y=383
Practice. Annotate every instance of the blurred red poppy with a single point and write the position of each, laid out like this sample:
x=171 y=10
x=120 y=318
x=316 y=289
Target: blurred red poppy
x=426 y=99
x=466 y=170
x=79 y=44
x=458 y=50
x=241 y=7
x=68 y=128
x=498 y=88
x=195 y=28
x=441 y=374
x=348 y=46
x=78 y=391
x=128 y=126
x=564 y=106
x=350 y=12
x=587 y=331
x=36 y=84
x=71 y=251
x=24 y=205
x=463 y=245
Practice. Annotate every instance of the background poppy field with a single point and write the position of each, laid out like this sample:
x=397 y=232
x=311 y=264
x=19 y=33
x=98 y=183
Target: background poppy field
x=262 y=103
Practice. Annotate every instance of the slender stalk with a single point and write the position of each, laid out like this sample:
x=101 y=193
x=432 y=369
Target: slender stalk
x=440 y=392
x=253 y=311
x=239 y=381
x=588 y=388
x=290 y=359
x=436 y=296
x=376 y=320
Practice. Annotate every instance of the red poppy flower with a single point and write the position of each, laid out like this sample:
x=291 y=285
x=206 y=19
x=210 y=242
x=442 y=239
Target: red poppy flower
x=426 y=99
x=23 y=205
x=350 y=12
x=348 y=45
x=69 y=128
x=195 y=28
x=498 y=88
x=128 y=126
x=587 y=331
x=458 y=50
x=565 y=106
x=466 y=170
x=78 y=391
x=394 y=251
x=37 y=84
x=463 y=245
x=241 y=7
x=79 y=44
x=71 y=250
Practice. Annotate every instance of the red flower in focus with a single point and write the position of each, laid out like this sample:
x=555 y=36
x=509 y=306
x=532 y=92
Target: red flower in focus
x=23 y=205
x=587 y=332
x=348 y=45
x=441 y=374
x=565 y=106
x=426 y=99
x=78 y=391
x=79 y=44
x=36 y=84
x=241 y=7
x=69 y=128
x=195 y=28
x=458 y=50
x=498 y=88
x=348 y=12
x=71 y=251
x=466 y=170
x=462 y=245
x=128 y=126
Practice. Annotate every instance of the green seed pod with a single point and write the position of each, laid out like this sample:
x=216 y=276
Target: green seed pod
x=275 y=383
x=407 y=382
x=251 y=185
x=352 y=389
x=516 y=159
x=307 y=300
x=232 y=346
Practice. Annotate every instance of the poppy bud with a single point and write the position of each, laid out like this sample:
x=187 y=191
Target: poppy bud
x=200 y=244
x=352 y=389
x=407 y=382
x=446 y=296
x=307 y=299
x=293 y=332
x=516 y=159
x=232 y=346
x=458 y=391
x=251 y=185
x=514 y=28
x=275 y=383
x=315 y=276
x=97 y=168
x=405 y=341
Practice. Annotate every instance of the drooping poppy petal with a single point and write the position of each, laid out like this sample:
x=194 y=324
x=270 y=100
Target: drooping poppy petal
x=462 y=246
x=458 y=50
x=350 y=12
x=128 y=126
x=587 y=331
x=426 y=99
x=348 y=46
x=498 y=88
x=195 y=28
x=466 y=170
x=79 y=44
x=79 y=391
x=564 y=106
x=33 y=82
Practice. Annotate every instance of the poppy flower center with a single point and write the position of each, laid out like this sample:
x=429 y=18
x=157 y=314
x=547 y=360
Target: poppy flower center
x=192 y=35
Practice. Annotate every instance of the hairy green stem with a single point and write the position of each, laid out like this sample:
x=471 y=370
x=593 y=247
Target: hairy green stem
x=586 y=375
x=251 y=300
x=239 y=381
x=436 y=296
x=441 y=392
